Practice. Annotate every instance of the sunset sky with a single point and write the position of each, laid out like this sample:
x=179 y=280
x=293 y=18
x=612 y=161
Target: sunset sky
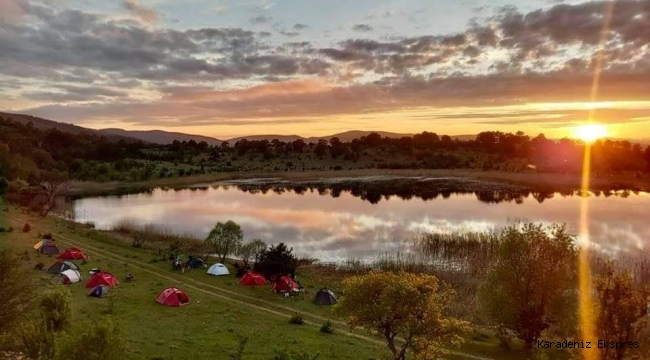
x=227 y=68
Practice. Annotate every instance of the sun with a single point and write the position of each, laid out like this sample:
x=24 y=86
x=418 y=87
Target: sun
x=590 y=132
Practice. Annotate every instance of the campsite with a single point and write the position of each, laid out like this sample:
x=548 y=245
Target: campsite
x=220 y=311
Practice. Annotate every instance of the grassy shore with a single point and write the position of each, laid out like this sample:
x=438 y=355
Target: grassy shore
x=220 y=312
x=530 y=180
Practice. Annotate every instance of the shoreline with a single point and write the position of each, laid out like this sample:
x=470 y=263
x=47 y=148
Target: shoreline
x=551 y=182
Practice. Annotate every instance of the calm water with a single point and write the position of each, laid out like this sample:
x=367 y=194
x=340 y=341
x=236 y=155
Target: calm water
x=334 y=223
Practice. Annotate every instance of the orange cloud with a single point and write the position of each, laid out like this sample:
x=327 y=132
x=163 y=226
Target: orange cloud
x=294 y=87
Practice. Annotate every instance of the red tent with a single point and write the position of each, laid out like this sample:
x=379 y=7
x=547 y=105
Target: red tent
x=102 y=278
x=173 y=297
x=284 y=283
x=72 y=254
x=252 y=279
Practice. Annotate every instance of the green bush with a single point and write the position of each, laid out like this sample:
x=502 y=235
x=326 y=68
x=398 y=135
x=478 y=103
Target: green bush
x=55 y=305
x=327 y=328
x=100 y=341
x=35 y=341
x=293 y=355
x=297 y=320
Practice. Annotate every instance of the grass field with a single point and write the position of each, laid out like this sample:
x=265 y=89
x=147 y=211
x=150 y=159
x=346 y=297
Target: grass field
x=220 y=313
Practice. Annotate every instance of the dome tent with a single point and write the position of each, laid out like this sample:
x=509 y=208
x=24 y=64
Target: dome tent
x=69 y=277
x=218 y=269
x=173 y=297
x=48 y=249
x=61 y=266
x=39 y=244
x=285 y=283
x=325 y=296
x=72 y=254
x=196 y=263
x=102 y=278
x=252 y=279
x=99 y=291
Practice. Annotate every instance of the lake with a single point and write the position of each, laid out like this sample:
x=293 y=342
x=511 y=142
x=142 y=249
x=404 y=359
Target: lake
x=335 y=220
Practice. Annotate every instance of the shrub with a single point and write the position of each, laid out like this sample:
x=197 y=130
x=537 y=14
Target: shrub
x=293 y=355
x=296 y=320
x=15 y=290
x=241 y=345
x=100 y=341
x=55 y=305
x=39 y=266
x=27 y=228
x=327 y=328
x=35 y=341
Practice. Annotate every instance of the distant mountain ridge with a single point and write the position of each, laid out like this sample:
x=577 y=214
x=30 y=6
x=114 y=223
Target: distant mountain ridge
x=160 y=136
x=167 y=137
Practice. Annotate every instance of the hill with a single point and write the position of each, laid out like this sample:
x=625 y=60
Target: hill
x=160 y=136
x=44 y=124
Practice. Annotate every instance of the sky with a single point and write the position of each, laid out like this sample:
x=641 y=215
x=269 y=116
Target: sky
x=228 y=68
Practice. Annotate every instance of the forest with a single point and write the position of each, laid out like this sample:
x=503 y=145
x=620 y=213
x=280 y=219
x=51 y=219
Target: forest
x=30 y=154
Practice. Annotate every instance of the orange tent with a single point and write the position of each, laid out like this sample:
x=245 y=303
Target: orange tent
x=172 y=297
x=252 y=279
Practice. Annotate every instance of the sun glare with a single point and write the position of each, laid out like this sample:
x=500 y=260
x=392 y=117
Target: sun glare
x=590 y=132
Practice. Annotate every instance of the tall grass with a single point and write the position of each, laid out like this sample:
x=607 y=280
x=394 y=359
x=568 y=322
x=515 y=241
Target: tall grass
x=156 y=236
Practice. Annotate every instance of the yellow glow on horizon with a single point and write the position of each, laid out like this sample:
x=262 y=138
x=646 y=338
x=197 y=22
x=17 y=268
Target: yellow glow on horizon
x=590 y=132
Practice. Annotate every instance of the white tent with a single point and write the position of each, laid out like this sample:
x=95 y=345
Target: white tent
x=71 y=276
x=218 y=269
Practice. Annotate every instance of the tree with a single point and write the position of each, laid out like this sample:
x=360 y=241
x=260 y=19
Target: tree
x=406 y=309
x=225 y=239
x=54 y=186
x=622 y=311
x=16 y=292
x=528 y=287
x=646 y=154
x=276 y=261
x=251 y=250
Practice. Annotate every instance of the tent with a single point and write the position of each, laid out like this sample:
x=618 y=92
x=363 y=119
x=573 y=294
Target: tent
x=325 y=296
x=252 y=279
x=61 y=266
x=218 y=269
x=38 y=245
x=70 y=277
x=99 y=291
x=72 y=254
x=196 y=263
x=49 y=249
x=173 y=297
x=102 y=278
x=285 y=283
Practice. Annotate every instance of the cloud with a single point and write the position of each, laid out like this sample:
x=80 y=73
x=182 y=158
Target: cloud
x=362 y=27
x=145 y=14
x=545 y=55
x=260 y=19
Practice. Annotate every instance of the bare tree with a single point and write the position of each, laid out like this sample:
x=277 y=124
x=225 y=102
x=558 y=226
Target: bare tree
x=53 y=187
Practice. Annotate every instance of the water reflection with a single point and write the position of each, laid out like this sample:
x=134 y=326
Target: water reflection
x=343 y=220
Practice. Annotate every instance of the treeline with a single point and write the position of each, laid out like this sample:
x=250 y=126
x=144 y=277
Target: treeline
x=26 y=152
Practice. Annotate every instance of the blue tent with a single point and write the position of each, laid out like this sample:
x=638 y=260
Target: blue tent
x=218 y=269
x=195 y=263
x=99 y=291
